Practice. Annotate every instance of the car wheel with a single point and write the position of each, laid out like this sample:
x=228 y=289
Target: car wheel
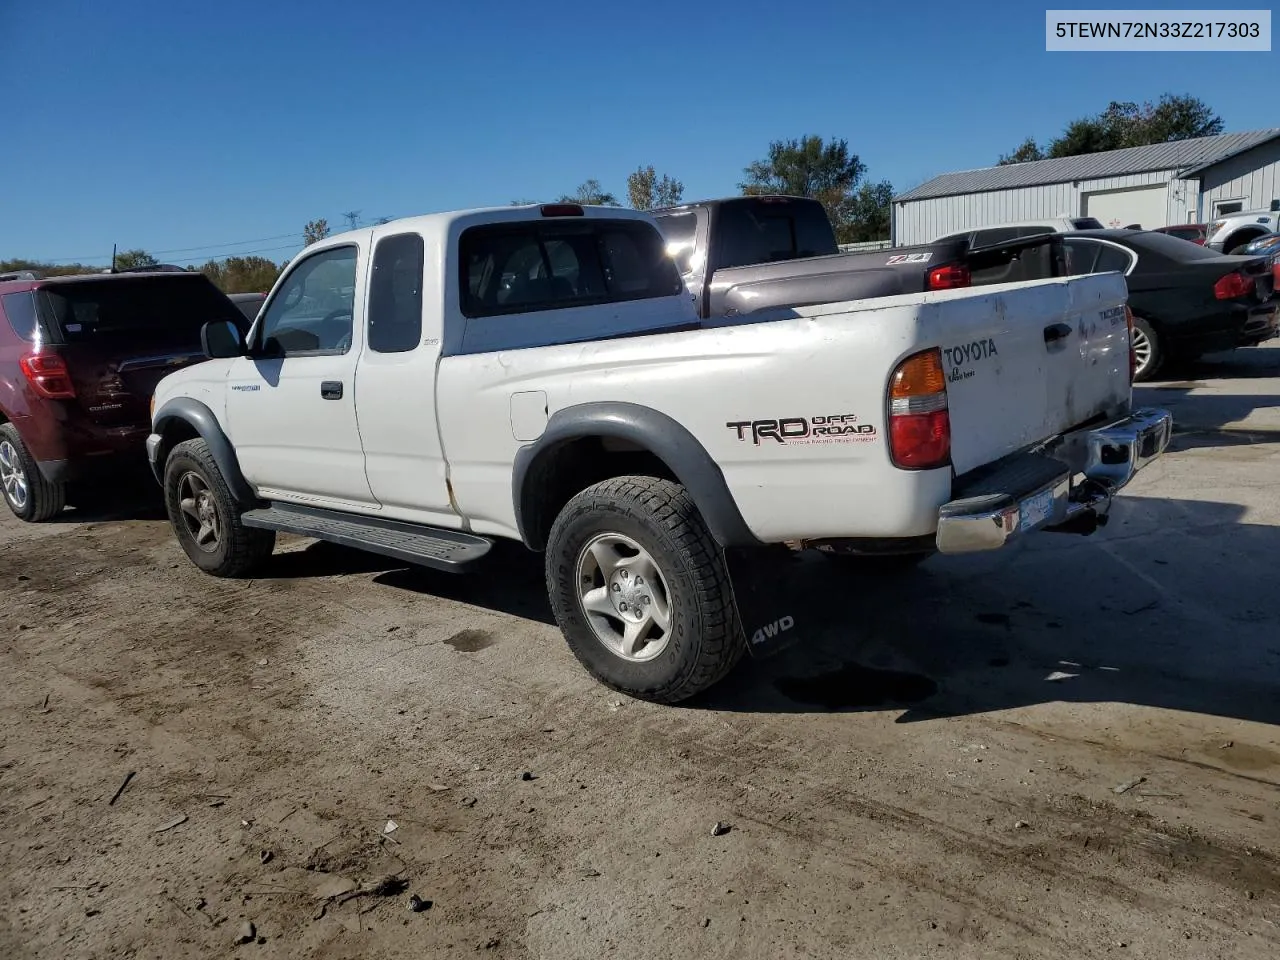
x=29 y=495
x=205 y=517
x=1238 y=250
x=640 y=590
x=1147 y=350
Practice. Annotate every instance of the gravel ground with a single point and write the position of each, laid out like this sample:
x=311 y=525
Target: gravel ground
x=1068 y=749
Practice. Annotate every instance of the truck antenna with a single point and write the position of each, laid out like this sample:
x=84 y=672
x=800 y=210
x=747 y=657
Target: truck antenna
x=113 y=258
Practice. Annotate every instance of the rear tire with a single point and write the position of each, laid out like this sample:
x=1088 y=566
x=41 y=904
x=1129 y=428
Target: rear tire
x=205 y=517
x=1149 y=349
x=27 y=493
x=640 y=590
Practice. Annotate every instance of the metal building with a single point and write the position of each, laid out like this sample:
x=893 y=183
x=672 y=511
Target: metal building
x=1187 y=181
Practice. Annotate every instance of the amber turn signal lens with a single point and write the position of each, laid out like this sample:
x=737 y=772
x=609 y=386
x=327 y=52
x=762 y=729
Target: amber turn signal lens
x=919 y=376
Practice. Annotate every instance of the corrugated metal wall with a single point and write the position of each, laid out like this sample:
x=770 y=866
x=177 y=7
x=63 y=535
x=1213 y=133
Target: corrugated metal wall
x=1253 y=177
x=922 y=221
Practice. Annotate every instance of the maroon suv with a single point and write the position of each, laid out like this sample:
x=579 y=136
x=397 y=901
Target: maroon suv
x=79 y=358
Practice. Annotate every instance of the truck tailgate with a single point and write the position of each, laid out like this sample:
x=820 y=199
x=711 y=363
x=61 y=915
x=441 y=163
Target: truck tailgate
x=1033 y=361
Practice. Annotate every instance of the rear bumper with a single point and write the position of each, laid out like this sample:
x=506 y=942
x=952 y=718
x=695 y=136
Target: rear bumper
x=1067 y=488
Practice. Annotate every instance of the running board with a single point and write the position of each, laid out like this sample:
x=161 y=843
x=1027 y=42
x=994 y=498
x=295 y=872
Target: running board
x=449 y=550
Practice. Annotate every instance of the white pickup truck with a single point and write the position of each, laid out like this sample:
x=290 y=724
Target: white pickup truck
x=540 y=374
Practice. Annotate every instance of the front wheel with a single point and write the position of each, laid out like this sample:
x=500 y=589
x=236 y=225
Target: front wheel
x=1147 y=350
x=640 y=590
x=205 y=517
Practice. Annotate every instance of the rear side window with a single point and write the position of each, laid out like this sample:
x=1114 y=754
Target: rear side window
x=168 y=309
x=767 y=231
x=395 y=294
x=678 y=229
x=1081 y=255
x=20 y=309
x=1112 y=258
x=1087 y=223
x=542 y=265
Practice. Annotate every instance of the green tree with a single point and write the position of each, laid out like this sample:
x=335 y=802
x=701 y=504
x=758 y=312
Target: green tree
x=46 y=269
x=242 y=274
x=865 y=214
x=1127 y=124
x=132 y=259
x=315 y=231
x=647 y=191
x=812 y=167
x=590 y=194
x=1027 y=151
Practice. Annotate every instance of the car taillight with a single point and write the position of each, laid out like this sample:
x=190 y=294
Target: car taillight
x=48 y=374
x=1232 y=285
x=949 y=277
x=919 y=424
x=561 y=210
x=1133 y=353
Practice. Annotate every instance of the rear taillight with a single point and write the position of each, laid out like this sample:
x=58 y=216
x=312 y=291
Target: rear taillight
x=919 y=424
x=48 y=374
x=949 y=277
x=561 y=210
x=1233 y=285
x=1133 y=353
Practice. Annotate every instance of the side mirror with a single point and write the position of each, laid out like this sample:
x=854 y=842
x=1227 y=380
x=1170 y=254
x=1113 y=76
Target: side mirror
x=221 y=339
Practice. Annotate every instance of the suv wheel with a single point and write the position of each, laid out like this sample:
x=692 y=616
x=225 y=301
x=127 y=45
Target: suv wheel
x=29 y=495
x=640 y=591
x=205 y=517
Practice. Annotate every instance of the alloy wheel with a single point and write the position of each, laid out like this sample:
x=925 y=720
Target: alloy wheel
x=13 y=479
x=625 y=597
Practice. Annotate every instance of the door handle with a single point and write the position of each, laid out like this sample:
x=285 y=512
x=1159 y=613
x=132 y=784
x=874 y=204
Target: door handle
x=331 y=389
x=1056 y=331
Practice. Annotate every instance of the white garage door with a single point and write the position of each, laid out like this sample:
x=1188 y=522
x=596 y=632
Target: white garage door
x=1145 y=206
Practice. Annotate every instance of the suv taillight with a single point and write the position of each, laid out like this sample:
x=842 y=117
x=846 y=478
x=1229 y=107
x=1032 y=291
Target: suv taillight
x=1233 y=285
x=919 y=424
x=949 y=277
x=48 y=375
x=1133 y=354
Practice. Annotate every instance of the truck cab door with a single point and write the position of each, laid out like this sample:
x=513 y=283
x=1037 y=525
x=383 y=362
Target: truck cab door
x=396 y=388
x=291 y=408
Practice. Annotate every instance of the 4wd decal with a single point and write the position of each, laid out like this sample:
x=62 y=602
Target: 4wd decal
x=960 y=360
x=836 y=428
x=898 y=258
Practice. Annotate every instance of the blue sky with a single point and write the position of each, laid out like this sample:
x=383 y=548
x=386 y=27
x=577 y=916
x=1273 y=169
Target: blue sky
x=172 y=125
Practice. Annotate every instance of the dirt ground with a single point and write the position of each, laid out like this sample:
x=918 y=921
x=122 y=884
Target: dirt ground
x=1065 y=750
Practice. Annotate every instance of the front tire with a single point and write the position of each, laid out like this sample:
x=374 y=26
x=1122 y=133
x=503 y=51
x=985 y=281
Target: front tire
x=640 y=590
x=205 y=518
x=1148 y=348
x=28 y=494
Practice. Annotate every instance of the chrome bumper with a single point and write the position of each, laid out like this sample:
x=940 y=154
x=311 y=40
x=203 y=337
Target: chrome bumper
x=1066 y=489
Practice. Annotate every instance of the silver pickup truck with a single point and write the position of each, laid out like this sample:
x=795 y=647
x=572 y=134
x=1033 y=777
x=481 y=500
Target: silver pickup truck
x=741 y=255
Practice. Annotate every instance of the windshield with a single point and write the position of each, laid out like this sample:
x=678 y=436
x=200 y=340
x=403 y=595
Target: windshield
x=116 y=307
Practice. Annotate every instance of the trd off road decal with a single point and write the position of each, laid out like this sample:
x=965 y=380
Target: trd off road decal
x=837 y=428
x=961 y=361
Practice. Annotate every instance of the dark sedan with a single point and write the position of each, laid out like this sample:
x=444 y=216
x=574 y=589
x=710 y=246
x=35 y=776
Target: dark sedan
x=1186 y=299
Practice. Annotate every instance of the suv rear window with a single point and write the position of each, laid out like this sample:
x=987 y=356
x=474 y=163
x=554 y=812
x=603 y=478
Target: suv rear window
x=552 y=265
x=766 y=231
x=158 y=308
x=1087 y=223
x=20 y=309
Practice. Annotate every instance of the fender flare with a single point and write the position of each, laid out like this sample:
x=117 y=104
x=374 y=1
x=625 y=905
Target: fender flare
x=200 y=418
x=647 y=428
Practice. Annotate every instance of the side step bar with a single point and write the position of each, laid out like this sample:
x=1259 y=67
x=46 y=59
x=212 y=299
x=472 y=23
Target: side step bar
x=450 y=550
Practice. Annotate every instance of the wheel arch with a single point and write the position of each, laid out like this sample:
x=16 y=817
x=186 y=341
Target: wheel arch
x=184 y=419
x=1242 y=235
x=591 y=442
